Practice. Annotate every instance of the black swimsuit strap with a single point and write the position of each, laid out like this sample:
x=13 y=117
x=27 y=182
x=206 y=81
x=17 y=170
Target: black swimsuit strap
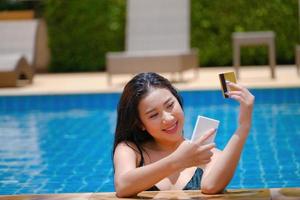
x=142 y=157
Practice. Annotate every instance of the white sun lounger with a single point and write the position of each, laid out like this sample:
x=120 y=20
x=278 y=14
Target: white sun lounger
x=23 y=48
x=157 y=39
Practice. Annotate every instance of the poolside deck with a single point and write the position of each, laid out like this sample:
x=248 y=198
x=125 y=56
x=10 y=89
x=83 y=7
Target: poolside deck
x=252 y=77
x=263 y=194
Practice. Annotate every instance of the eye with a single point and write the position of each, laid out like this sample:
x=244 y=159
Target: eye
x=153 y=115
x=170 y=105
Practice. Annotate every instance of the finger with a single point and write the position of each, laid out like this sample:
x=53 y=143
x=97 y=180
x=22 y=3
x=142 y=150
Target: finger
x=208 y=146
x=207 y=135
x=237 y=93
x=239 y=87
x=238 y=98
x=234 y=86
x=207 y=155
x=205 y=161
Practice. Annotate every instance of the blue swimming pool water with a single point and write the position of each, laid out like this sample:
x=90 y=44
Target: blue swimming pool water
x=62 y=143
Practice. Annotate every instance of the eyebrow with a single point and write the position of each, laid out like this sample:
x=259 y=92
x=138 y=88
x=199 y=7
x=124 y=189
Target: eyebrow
x=153 y=109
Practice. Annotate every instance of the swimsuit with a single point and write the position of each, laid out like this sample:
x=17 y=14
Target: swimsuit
x=193 y=184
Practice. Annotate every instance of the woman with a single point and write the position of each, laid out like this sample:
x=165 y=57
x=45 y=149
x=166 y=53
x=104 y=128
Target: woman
x=150 y=152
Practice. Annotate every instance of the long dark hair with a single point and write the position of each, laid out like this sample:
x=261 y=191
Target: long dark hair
x=129 y=125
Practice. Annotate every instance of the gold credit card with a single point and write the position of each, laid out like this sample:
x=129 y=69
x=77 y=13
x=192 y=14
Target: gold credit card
x=228 y=76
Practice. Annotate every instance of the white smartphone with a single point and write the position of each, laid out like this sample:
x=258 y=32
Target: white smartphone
x=204 y=124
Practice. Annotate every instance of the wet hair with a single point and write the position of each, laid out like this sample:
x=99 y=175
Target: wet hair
x=129 y=126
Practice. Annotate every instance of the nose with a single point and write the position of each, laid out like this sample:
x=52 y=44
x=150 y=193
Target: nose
x=167 y=117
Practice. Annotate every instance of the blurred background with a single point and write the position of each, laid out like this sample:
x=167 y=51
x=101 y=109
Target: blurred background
x=80 y=33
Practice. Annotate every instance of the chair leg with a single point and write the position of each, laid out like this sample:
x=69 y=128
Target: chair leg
x=272 y=59
x=298 y=60
x=236 y=59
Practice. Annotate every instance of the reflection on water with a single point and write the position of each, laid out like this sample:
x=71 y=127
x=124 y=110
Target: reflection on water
x=19 y=150
x=62 y=144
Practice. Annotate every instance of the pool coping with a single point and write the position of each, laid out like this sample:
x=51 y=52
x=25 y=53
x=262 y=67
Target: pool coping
x=237 y=194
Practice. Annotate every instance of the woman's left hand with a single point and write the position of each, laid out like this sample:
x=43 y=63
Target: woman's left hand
x=221 y=168
x=246 y=100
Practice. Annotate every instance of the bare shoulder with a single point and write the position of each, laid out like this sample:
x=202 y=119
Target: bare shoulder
x=127 y=151
x=127 y=147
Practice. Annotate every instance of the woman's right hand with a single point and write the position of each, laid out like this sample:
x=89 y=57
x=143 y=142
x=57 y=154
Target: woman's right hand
x=196 y=153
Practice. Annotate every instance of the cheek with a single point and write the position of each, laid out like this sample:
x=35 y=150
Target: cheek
x=148 y=124
x=152 y=125
x=180 y=115
x=179 y=112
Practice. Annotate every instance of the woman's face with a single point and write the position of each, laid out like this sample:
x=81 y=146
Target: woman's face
x=162 y=115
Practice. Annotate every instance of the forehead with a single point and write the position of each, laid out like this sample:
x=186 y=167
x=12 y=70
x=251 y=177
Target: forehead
x=155 y=97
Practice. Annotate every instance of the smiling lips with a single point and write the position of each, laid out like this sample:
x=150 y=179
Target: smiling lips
x=172 y=129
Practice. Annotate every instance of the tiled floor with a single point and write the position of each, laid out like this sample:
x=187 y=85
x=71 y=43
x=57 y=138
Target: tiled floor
x=256 y=76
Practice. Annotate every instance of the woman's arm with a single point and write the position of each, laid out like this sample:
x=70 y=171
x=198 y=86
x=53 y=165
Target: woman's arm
x=220 y=170
x=130 y=179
